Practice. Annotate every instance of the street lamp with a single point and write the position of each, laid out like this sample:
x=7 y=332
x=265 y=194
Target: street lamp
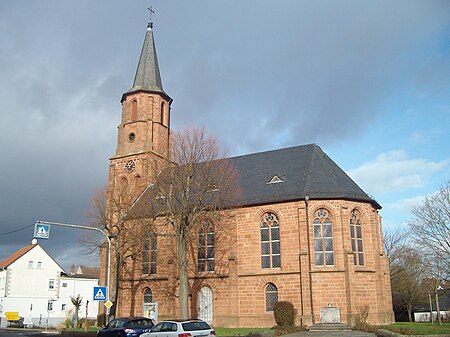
x=109 y=251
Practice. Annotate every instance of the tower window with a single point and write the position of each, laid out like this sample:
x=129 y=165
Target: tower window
x=149 y=256
x=131 y=137
x=162 y=113
x=133 y=110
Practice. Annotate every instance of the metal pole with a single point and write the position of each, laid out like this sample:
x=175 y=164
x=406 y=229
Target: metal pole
x=109 y=250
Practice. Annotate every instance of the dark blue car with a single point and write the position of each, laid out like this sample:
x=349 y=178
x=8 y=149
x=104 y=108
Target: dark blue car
x=126 y=327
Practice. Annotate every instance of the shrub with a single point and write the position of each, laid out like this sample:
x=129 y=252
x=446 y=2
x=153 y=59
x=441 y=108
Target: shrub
x=360 y=319
x=284 y=313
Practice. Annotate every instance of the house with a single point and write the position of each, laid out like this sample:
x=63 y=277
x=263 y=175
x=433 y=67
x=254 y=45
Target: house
x=305 y=232
x=35 y=286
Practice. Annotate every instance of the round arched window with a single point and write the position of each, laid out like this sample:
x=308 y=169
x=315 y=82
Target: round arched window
x=148 y=296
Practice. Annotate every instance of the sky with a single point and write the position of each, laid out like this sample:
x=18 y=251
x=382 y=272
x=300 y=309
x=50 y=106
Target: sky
x=369 y=82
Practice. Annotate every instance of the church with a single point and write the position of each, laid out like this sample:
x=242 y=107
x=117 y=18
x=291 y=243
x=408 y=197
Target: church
x=304 y=231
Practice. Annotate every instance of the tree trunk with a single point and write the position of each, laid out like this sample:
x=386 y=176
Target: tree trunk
x=438 y=310
x=76 y=317
x=409 y=309
x=181 y=244
x=115 y=289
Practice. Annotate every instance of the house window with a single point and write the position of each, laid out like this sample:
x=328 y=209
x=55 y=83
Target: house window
x=64 y=285
x=271 y=296
x=50 y=305
x=30 y=264
x=51 y=284
x=39 y=265
x=63 y=307
x=270 y=241
x=148 y=295
x=149 y=256
x=323 y=239
x=205 y=255
x=356 y=238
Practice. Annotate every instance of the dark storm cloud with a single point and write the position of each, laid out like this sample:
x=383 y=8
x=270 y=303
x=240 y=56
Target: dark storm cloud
x=258 y=74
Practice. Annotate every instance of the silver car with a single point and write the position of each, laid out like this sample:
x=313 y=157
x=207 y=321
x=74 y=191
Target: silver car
x=175 y=328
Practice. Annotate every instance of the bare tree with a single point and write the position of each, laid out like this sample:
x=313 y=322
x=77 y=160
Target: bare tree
x=107 y=212
x=76 y=301
x=407 y=282
x=395 y=245
x=430 y=227
x=199 y=185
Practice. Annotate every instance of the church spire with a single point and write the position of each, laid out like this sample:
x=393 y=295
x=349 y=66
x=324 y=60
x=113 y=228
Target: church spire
x=147 y=76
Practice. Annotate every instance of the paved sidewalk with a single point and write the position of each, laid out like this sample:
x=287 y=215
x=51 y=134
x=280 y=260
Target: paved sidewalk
x=331 y=334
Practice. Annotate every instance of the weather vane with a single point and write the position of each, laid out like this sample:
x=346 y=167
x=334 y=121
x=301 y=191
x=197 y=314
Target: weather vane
x=150 y=23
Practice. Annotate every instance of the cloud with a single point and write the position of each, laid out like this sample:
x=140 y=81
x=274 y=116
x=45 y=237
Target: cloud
x=407 y=204
x=393 y=171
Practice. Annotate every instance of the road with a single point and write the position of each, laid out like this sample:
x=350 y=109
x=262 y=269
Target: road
x=25 y=333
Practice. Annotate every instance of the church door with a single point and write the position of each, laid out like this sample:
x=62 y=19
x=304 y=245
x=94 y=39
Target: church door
x=205 y=304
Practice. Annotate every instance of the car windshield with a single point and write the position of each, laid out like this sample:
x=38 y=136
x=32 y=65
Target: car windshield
x=192 y=326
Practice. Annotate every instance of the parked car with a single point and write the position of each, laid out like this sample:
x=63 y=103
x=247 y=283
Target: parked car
x=126 y=327
x=175 y=328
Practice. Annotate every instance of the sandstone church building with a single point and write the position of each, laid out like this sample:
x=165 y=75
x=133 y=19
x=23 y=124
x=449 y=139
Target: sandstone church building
x=305 y=232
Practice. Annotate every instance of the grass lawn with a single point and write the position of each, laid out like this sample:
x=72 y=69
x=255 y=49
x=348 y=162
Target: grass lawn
x=237 y=331
x=424 y=328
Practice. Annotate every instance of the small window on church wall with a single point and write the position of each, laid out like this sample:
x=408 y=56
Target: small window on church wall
x=137 y=183
x=356 y=238
x=270 y=241
x=323 y=239
x=149 y=255
x=133 y=110
x=205 y=248
x=271 y=296
x=148 y=295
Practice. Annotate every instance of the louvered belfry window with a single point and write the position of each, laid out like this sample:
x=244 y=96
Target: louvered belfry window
x=323 y=238
x=270 y=241
x=356 y=238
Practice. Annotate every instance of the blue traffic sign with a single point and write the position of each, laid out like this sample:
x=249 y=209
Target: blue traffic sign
x=41 y=231
x=100 y=293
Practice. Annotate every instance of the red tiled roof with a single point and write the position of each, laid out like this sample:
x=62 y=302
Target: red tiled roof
x=22 y=251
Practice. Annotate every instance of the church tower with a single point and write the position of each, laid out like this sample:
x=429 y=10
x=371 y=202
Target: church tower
x=144 y=135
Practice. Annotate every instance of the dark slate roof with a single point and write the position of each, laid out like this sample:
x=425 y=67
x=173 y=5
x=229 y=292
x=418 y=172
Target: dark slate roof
x=147 y=76
x=304 y=170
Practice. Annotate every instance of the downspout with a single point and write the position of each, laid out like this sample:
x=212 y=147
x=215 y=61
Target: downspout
x=309 y=260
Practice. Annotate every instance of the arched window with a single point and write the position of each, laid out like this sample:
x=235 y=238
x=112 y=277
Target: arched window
x=206 y=247
x=149 y=255
x=323 y=238
x=271 y=296
x=356 y=238
x=270 y=241
x=162 y=113
x=137 y=183
x=123 y=187
x=134 y=110
x=148 y=295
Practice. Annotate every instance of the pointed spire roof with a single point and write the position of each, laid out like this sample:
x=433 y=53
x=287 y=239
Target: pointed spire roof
x=147 y=76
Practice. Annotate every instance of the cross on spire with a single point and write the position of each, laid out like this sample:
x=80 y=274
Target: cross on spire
x=150 y=22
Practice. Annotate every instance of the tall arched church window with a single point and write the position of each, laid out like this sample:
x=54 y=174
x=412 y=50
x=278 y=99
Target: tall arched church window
x=205 y=253
x=149 y=254
x=323 y=238
x=356 y=238
x=270 y=241
x=123 y=187
x=134 y=110
x=137 y=183
x=148 y=295
x=271 y=296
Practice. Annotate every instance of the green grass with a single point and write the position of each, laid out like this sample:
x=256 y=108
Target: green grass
x=237 y=331
x=422 y=328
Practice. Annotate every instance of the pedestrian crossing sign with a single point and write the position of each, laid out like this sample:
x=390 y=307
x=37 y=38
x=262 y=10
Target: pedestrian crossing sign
x=99 y=293
x=41 y=231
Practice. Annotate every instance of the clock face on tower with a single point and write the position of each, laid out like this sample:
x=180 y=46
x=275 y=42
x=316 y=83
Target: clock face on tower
x=129 y=166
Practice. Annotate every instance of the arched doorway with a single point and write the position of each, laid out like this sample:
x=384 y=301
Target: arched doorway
x=205 y=304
